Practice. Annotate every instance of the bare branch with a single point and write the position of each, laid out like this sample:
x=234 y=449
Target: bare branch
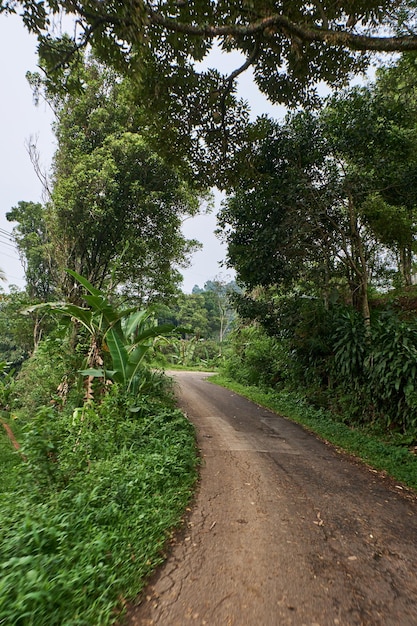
x=34 y=155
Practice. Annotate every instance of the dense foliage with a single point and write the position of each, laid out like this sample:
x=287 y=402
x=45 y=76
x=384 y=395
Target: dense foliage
x=204 y=318
x=115 y=207
x=328 y=200
x=192 y=107
x=322 y=232
x=90 y=509
x=103 y=472
x=290 y=44
x=366 y=376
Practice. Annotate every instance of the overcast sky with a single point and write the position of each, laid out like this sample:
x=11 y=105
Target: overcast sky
x=21 y=120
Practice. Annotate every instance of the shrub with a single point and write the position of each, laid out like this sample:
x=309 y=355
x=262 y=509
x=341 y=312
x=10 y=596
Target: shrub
x=89 y=516
x=53 y=367
x=254 y=358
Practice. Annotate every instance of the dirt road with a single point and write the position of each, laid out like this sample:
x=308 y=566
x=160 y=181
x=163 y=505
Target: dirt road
x=284 y=529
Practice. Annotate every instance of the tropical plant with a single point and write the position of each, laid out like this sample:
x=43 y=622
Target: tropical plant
x=126 y=335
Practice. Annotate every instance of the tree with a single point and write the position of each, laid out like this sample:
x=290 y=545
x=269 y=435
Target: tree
x=19 y=334
x=374 y=131
x=31 y=236
x=207 y=311
x=191 y=313
x=116 y=207
x=296 y=220
x=275 y=222
x=220 y=312
x=121 y=209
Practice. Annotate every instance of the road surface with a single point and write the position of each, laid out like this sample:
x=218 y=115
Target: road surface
x=284 y=530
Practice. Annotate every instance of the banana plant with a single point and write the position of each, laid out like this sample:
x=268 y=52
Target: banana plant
x=128 y=340
x=125 y=334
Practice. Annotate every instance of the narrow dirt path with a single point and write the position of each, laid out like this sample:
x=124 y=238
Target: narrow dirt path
x=284 y=529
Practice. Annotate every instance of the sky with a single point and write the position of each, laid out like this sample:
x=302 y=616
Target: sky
x=22 y=122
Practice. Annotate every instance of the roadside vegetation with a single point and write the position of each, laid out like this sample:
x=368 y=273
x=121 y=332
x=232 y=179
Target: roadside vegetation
x=89 y=512
x=103 y=473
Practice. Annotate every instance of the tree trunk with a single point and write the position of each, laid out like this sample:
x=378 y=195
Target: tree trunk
x=406 y=260
x=360 y=263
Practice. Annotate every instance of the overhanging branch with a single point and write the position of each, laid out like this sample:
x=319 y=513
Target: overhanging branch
x=286 y=27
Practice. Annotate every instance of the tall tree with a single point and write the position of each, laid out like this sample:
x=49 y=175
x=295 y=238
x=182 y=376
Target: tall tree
x=120 y=210
x=297 y=216
x=116 y=207
x=220 y=312
x=33 y=243
x=374 y=131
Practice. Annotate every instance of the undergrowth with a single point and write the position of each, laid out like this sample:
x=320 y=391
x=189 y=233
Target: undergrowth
x=372 y=447
x=91 y=509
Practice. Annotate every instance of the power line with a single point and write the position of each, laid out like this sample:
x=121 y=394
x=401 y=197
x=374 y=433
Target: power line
x=5 y=243
x=9 y=245
x=21 y=278
x=8 y=255
x=7 y=239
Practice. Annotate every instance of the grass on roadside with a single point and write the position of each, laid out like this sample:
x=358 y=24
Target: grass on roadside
x=387 y=456
x=91 y=510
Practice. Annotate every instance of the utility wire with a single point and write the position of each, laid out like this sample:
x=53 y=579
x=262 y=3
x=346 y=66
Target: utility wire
x=7 y=239
x=9 y=245
x=8 y=255
x=6 y=243
x=6 y=232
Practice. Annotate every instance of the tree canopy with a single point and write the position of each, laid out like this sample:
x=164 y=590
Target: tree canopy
x=116 y=207
x=190 y=108
x=328 y=198
x=291 y=45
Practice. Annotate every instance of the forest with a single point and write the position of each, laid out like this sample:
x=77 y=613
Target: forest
x=320 y=223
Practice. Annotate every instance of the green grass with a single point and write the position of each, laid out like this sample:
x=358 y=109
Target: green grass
x=199 y=367
x=396 y=460
x=91 y=510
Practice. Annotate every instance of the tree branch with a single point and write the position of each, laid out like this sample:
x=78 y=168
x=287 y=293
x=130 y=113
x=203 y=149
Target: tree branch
x=228 y=87
x=288 y=28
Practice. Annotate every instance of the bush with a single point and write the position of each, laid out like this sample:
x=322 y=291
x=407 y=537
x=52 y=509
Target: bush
x=365 y=374
x=92 y=508
x=47 y=377
x=254 y=358
x=391 y=371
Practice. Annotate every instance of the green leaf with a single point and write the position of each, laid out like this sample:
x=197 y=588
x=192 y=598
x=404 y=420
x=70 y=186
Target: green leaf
x=118 y=353
x=96 y=373
x=134 y=320
x=84 y=282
